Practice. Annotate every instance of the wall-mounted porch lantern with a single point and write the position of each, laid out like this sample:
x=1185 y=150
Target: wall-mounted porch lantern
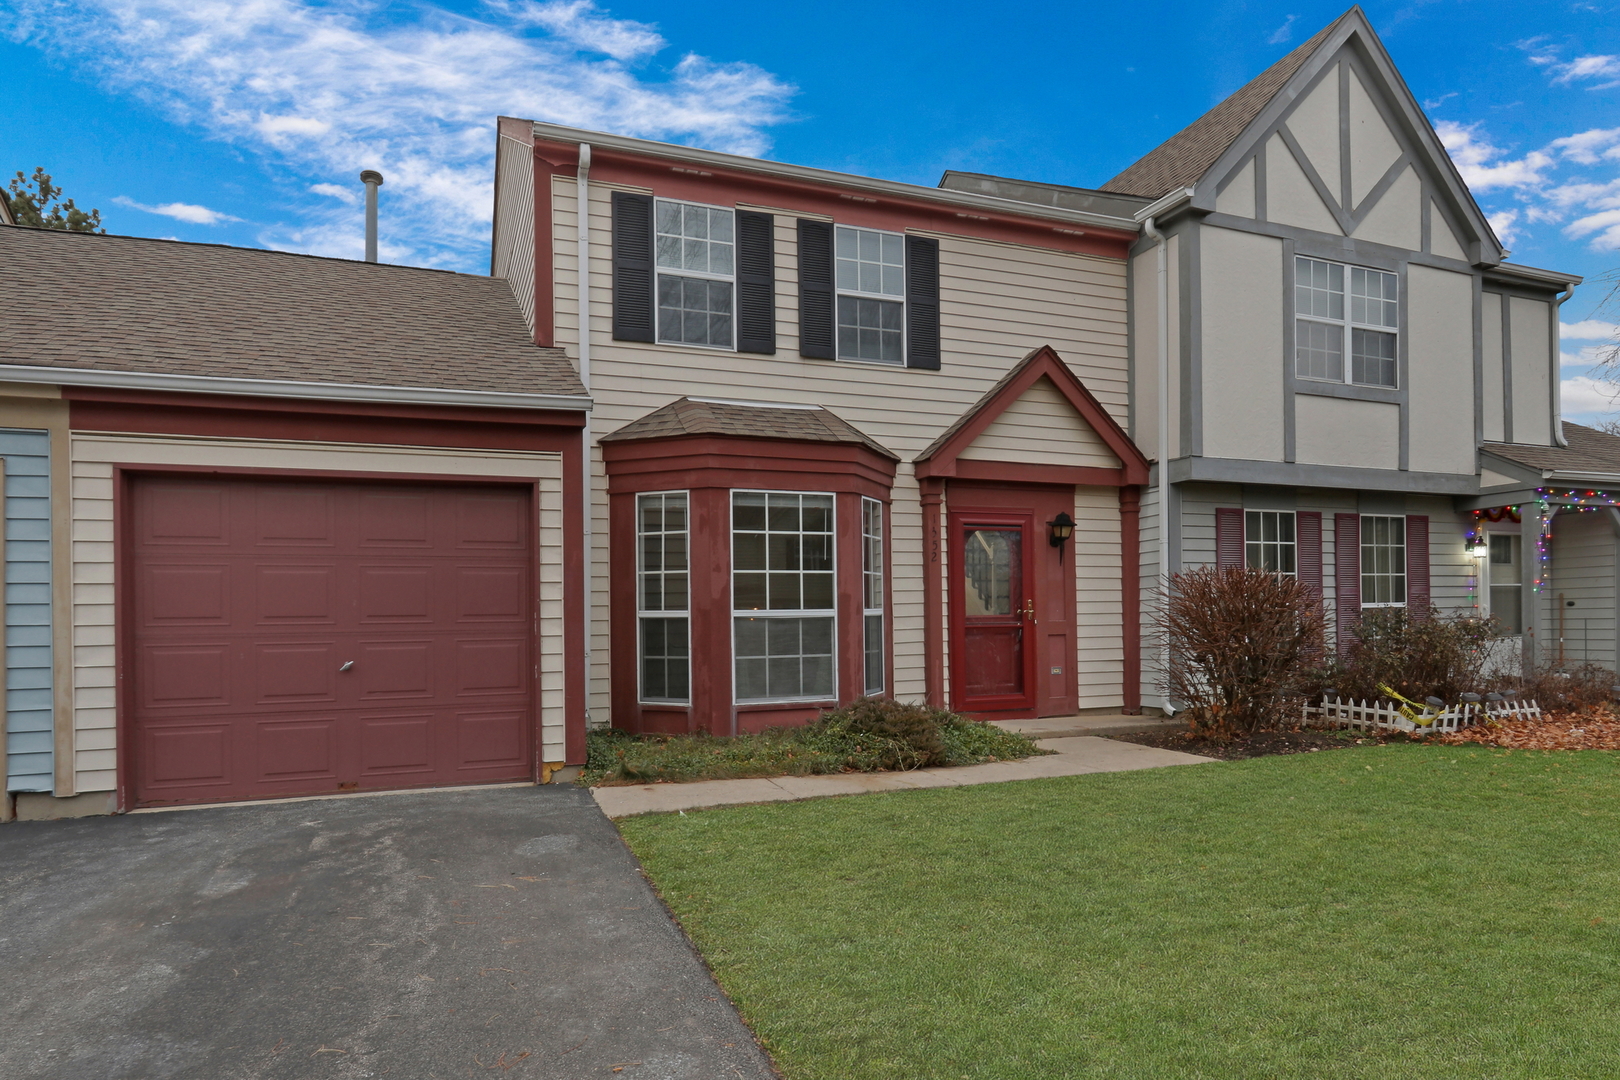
x=1062 y=527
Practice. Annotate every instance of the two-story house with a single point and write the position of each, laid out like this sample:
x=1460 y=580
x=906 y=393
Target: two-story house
x=1322 y=334
x=1326 y=335
x=848 y=436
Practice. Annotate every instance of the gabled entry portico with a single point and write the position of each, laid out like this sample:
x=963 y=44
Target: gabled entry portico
x=1015 y=621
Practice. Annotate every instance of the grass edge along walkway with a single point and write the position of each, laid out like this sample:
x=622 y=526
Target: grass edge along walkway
x=1389 y=911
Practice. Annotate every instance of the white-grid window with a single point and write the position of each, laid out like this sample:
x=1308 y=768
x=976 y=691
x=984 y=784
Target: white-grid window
x=696 y=256
x=1268 y=541
x=1324 y=322
x=782 y=594
x=872 y=593
x=662 y=603
x=871 y=275
x=1383 y=561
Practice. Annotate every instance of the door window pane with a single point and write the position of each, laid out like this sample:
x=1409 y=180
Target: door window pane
x=992 y=571
x=1505 y=576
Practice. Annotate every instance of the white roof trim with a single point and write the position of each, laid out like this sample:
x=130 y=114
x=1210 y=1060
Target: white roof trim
x=753 y=404
x=198 y=384
x=558 y=133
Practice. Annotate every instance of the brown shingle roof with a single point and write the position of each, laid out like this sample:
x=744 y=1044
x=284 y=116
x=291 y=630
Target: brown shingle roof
x=1186 y=156
x=128 y=304
x=696 y=416
x=1589 y=451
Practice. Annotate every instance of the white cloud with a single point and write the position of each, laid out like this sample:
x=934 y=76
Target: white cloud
x=1502 y=224
x=1588 y=67
x=327 y=89
x=1481 y=163
x=1588 y=146
x=1283 y=32
x=1606 y=223
x=1589 y=330
x=196 y=215
x=335 y=191
x=1584 y=395
x=581 y=23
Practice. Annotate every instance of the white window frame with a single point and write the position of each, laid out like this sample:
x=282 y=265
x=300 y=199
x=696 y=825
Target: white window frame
x=859 y=295
x=1361 y=573
x=729 y=278
x=1347 y=326
x=1292 y=545
x=642 y=613
x=872 y=545
x=779 y=613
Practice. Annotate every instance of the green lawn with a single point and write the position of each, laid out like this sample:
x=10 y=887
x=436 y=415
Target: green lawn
x=1400 y=911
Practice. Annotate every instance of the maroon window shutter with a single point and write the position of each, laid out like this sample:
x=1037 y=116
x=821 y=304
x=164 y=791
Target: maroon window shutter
x=1308 y=550
x=1417 y=566
x=1346 y=576
x=1228 y=538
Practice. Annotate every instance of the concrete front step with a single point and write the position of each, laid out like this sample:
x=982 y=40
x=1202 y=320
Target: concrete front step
x=1065 y=727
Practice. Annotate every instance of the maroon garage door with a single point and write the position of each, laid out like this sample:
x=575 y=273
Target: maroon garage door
x=297 y=637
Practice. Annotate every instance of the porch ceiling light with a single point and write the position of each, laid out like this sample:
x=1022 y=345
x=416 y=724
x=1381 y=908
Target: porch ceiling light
x=1062 y=527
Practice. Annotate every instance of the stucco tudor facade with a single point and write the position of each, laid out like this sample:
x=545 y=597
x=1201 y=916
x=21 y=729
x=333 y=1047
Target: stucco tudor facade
x=723 y=442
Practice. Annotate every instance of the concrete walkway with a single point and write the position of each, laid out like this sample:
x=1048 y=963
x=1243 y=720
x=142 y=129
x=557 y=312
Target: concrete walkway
x=1072 y=756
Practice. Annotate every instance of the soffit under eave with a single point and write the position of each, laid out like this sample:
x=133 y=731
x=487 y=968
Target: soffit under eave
x=1391 y=93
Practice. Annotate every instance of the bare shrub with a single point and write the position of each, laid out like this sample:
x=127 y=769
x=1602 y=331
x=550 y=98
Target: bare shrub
x=1575 y=688
x=1241 y=645
x=1441 y=655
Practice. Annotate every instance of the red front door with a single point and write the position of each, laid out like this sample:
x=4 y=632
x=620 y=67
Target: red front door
x=292 y=637
x=993 y=603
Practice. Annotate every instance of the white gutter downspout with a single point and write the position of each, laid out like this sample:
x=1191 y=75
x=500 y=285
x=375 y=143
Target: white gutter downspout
x=1557 y=370
x=1150 y=230
x=582 y=228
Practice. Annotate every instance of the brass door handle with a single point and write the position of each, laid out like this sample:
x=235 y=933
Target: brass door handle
x=1029 y=610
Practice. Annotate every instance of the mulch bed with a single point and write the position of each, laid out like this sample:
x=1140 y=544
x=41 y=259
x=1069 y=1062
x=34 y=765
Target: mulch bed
x=1260 y=744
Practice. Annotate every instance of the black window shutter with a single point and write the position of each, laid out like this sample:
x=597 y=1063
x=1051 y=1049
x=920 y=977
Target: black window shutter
x=632 y=267
x=756 y=282
x=922 y=303
x=816 y=289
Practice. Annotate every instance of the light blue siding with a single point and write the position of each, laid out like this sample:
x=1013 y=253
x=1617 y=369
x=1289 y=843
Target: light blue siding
x=29 y=738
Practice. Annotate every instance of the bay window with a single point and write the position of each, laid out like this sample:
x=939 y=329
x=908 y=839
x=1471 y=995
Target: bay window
x=872 y=594
x=663 y=625
x=782 y=596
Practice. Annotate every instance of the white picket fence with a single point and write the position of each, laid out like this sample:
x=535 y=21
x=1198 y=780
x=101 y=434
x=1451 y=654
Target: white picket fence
x=1386 y=716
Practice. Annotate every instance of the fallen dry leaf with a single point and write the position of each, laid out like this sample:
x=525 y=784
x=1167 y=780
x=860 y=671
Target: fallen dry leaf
x=1598 y=729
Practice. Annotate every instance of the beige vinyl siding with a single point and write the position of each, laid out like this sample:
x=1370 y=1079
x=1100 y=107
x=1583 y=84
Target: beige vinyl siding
x=94 y=454
x=1041 y=426
x=998 y=302
x=512 y=254
x=1583 y=574
x=1099 y=644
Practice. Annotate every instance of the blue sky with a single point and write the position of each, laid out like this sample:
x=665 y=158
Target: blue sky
x=247 y=121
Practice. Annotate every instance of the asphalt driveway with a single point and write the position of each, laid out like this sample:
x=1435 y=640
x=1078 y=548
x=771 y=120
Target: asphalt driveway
x=503 y=932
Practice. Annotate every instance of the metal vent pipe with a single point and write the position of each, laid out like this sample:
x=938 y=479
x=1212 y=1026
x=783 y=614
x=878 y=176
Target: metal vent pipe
x=373 y=180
